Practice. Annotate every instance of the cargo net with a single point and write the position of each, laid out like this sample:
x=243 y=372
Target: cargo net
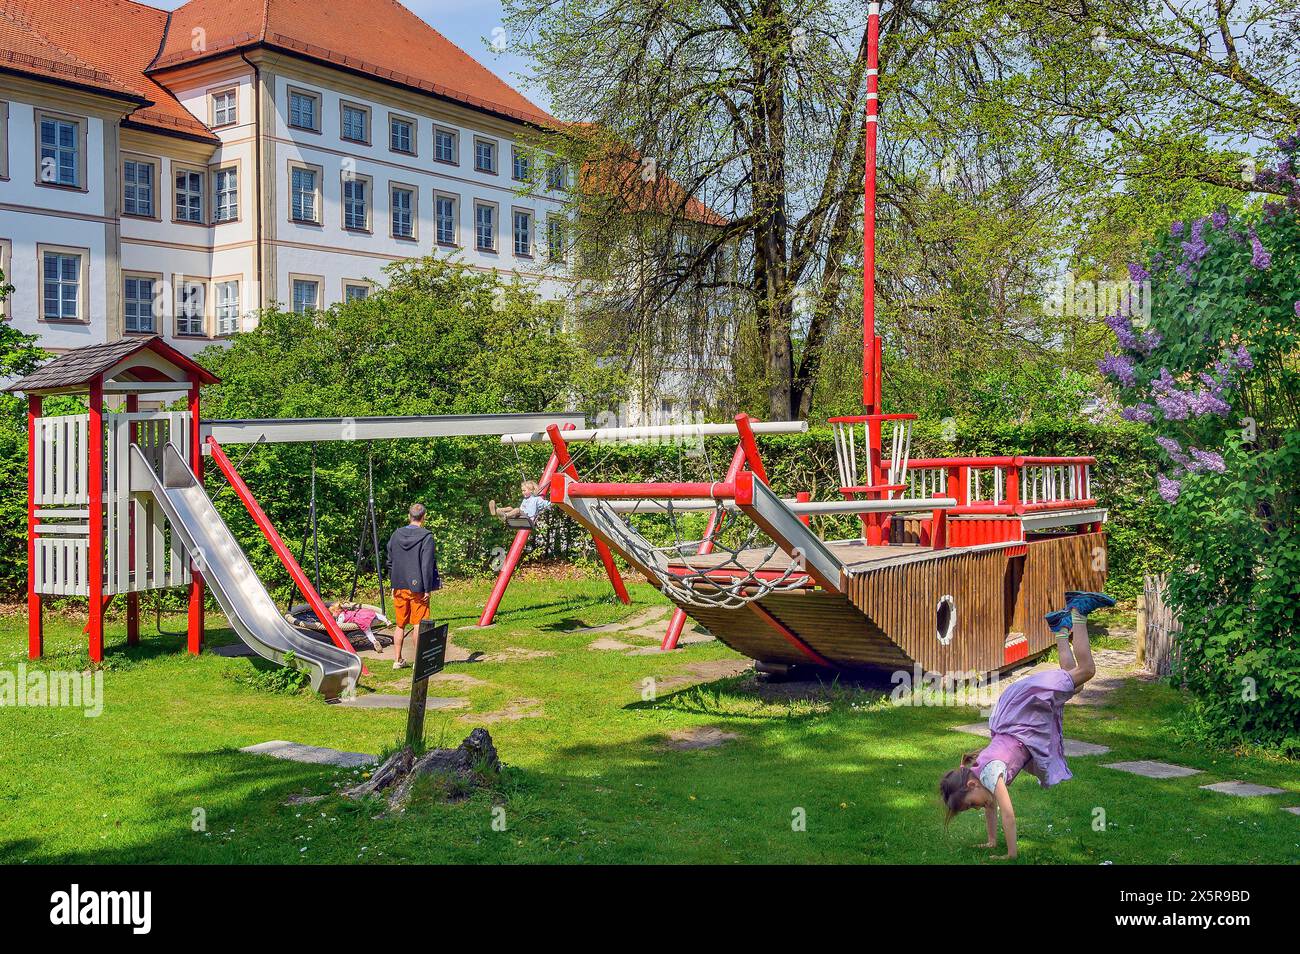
x=723 y=570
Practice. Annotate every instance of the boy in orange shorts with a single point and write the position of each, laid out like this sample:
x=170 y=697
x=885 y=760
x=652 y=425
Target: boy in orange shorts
x=413 y=574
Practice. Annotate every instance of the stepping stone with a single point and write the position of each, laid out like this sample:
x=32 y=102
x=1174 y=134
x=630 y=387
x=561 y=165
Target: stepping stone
x=1072 y=746
x=383 y=700
x=233 y=651
x=311 y=754
x=1148 y=769
x=1243 y=789
x=1293 y=809
x=606 y=642
x=703 y=737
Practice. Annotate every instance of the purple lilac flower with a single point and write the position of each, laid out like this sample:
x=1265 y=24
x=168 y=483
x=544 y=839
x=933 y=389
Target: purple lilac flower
x=1168 y=488
x=1123 y=329
x=1194 y=249
x=1206 y=460
x=1150 y=340
x=1260 y=257
x=1297 y=309
x=1136 y=273
x=1208 y=401
x=1176 y=228
x=1120 y=367
x=1140 y=413
x=1220 y=218
x=1175 y=451
x=1242 y=359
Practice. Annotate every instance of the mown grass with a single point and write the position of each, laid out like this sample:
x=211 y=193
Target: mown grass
x=589 y=778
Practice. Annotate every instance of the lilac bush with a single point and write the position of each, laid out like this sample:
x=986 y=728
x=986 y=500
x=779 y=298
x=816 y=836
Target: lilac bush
x=1214 y=374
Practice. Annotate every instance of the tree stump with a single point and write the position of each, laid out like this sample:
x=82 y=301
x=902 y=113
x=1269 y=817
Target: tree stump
x=468 y=766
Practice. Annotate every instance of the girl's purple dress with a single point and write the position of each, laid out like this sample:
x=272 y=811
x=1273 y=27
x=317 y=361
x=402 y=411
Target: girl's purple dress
x=1026 y=728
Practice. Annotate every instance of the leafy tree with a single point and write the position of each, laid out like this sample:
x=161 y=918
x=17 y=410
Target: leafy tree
x=1215 y=375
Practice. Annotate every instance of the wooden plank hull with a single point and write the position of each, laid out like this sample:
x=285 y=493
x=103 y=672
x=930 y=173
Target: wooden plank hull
x=887 y=617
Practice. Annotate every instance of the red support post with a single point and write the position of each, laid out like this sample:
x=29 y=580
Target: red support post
x=516 y=551
x=804 y=496
x=870 y=361
x=195 y=622
x=95 y=520
x=939 y=528
x=35 y=615
x=564 y=464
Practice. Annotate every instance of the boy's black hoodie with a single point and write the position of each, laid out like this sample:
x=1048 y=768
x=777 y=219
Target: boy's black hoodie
x=413 y=560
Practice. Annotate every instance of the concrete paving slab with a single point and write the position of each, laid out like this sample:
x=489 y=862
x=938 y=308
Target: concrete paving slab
x=1072 y=746
x=1243 y=789
x=233 y=651
x=384 y=700
x=310 y=754
x=1149 y=769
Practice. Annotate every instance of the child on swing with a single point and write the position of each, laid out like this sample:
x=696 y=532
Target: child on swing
x=529 y=508
x=361 y=616
x=1026 y=728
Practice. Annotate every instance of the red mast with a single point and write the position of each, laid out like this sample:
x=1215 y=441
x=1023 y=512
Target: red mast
x=871 y=360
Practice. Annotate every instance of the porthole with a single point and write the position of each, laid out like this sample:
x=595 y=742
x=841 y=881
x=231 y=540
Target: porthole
x=945 y=619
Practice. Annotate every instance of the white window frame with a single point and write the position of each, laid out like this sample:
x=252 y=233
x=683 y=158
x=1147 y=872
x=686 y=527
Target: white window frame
x=295 y=280
x=439 y=197
x=410 y=123
x=78 y=124
x=413 y=211
x=346 y=106
x=155 y=281
x=514 y=232
x=217 y=173
x=216 y=122
x=317 y=197
x=226 y=306
x=181 y=284
x=352 y=283
x=518 y=156
x=155 y=170
x=557 y=176
x=349 y=181
x=554 y=255
x=494 y=150
x=315 y=110
x=454 y=135
x=191 y=193
x=495 y=209
x=82 y=315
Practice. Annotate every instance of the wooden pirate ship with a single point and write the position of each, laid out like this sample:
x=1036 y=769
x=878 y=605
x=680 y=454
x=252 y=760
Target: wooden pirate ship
x=957 y=562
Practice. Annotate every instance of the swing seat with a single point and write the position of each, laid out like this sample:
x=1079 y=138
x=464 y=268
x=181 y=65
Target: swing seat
x=519 y=523
x=302 y=616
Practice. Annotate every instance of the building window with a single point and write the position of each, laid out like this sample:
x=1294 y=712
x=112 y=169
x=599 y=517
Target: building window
x=521 y=165
x=224 y=110
x=444 y=145
x=304 y=110
x=445 y=212
x=305 y=197
x=401 y=135
x=485 y=227
x=555 y=250
x=137 y=188
x=189 y=196
x=189 y=308
x=402 y=201
x=356 y=202
x=306 y=295
x=226 y=300
x=138 y=297
x=61 y=285
x=355 y=123
x=6 y=266
x=355 y=291
x=485 y=156
x=523 y=233
x=557 y=176
x=226 y=187
x=60 y=152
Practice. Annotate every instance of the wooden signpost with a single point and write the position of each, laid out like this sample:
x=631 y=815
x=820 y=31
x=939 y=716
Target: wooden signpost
x=430 y=655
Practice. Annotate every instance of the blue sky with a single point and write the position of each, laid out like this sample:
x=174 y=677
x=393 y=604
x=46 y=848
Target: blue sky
x=467 y=23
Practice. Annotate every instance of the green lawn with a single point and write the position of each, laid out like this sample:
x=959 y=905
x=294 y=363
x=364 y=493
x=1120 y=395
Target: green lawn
x=589 y=777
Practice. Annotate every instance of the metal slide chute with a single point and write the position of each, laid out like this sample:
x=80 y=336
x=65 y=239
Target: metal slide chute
x=212 y=547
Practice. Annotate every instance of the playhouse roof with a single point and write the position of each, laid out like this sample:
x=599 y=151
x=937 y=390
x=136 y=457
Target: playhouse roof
x=81 y=367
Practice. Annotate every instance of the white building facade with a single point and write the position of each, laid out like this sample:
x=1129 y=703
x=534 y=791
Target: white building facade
x=179 y=193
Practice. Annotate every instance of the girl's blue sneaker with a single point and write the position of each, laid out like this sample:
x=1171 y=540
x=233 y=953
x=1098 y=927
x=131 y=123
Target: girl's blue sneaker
x=1059 y=621
x=1086 y=603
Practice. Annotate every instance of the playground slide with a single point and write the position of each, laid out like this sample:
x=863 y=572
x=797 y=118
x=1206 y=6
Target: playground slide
x=250 y=609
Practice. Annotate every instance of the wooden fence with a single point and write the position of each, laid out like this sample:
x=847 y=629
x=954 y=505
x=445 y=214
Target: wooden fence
x=1158 y=628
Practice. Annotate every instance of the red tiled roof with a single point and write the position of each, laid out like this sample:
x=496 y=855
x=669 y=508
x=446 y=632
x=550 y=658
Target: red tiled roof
x=102 y=44
x=359 y=35
x=615 y=170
